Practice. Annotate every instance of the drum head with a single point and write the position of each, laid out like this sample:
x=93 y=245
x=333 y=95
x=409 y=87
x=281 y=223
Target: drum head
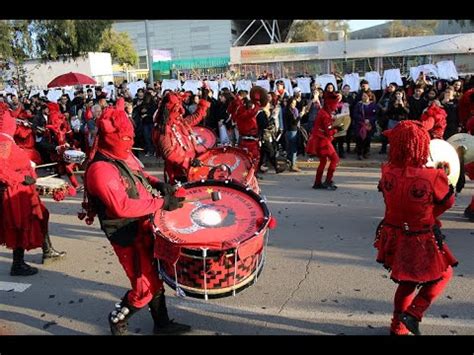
x=467 y=141
x=441 y=151
x=235 y=158
x=239 y=215
x=205 y=136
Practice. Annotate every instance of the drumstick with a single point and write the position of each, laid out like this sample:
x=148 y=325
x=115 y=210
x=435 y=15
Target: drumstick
x=135 y=148
x=215 y=196
x=45 y=165
x=46 y=177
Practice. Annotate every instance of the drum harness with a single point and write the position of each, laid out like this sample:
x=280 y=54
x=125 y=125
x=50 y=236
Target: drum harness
x=121 y=230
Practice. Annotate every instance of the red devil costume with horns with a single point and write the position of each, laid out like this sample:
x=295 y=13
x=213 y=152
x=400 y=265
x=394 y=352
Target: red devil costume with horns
x=319 y=144
x=409 y=239
x=23 y=217
x=125 y=198
x=173 y=135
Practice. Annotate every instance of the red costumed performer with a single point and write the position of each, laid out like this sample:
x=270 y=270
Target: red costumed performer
x=245 y=117
x=125 y=198
x=25 y=136
x=409 y=239
x=59 y=132
x=176 y=143
x=320 y=144
x=434 y=120
x=23 y=217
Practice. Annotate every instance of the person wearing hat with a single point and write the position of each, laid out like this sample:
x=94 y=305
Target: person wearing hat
x=125 y=197
x=408 y=239
x=23 y=217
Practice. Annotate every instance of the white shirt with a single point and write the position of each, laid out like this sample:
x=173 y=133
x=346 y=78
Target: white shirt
x=304 y=84
x=264 y=84
x=447 y=70
x=429 y=69
x=374 y=79
x=325 y=79
x=243 y=85
x=224 y=83
x=353 y=81
x=170 y=84
x=288 y=86
x=192 y=85
x=391 y=76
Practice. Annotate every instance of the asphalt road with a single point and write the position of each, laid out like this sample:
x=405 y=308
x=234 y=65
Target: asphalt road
x=320 y=275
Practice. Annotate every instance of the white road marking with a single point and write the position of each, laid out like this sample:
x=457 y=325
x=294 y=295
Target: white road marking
x=13 y=286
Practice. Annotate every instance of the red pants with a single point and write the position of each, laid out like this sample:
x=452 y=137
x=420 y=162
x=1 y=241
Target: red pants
x=334 y=160
x=138 y=263
x=416 y=305
x=253 y=148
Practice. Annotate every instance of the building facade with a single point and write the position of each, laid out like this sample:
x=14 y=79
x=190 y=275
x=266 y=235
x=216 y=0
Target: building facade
x=180 y=45
x=351 y=56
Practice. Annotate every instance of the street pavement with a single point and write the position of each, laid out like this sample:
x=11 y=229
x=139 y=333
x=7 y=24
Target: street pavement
x=320 y=275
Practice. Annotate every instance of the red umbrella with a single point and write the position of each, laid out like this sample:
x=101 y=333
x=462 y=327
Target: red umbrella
x=71 y=79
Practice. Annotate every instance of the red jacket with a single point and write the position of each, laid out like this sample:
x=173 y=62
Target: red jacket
x=104 y=181
x=176 y=144
x=246 y=119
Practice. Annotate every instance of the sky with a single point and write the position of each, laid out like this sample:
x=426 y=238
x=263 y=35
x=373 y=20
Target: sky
x=360 y=24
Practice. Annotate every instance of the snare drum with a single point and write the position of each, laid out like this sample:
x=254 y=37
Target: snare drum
x=54 y=187
x=210 y=249
x=74 y=156
x=225 y=163
x=204 y=136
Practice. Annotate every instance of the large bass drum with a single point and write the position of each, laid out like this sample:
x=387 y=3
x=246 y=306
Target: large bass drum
x=210 y=249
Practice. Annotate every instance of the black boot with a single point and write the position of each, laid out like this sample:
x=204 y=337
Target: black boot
x=118 y=319
x=411 y=323
x=49 y=253
x=19 y=267
x=163 y=324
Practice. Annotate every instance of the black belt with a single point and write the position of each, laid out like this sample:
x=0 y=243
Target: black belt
x=406 y=229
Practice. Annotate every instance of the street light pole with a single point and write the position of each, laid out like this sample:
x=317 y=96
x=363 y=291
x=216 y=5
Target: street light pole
x=149 y=54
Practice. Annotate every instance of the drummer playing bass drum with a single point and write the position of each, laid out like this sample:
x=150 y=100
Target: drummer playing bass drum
x=124 y=197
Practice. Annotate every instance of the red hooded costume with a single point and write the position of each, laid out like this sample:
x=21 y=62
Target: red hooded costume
x=23 y=217
x=466 y=107
x=434 y=120
x=108 y=181
x=25 y=137
x=175 y=141
x=123 y=196
x=408 y=239
x=320 y=142
x=246 y=121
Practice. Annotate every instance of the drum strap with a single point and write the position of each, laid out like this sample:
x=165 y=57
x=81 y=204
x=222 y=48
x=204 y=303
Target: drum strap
x=121 y=231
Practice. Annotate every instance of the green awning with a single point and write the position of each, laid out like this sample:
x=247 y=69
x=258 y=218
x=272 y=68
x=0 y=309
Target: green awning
x=195 y=63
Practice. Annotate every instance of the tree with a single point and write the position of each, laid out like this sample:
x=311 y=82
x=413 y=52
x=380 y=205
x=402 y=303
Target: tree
x=398 y=28
x=70 y=39
x=15 y=46
x=120 y=46
x=314 y=30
